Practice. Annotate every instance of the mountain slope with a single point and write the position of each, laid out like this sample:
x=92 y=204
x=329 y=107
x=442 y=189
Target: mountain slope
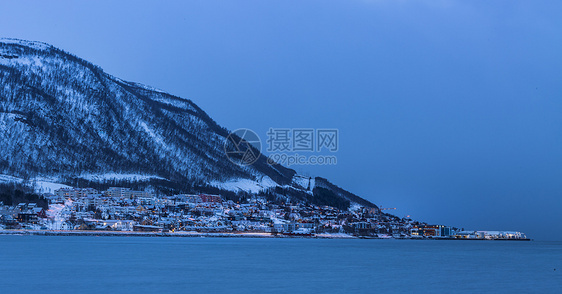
x=63 y=117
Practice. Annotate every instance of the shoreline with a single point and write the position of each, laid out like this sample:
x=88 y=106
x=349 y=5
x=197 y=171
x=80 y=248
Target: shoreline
x=194 y=234
x=184 y=234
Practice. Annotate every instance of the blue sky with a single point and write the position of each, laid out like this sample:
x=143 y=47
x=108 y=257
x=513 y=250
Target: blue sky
x=447 y=110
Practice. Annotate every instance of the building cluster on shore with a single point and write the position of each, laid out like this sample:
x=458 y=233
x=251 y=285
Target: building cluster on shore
x=122 y=209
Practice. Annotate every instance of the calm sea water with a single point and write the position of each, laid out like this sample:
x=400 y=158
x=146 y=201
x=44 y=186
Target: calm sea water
x=234 y=265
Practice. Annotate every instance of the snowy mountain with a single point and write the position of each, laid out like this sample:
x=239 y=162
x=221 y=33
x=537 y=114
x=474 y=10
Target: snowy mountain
x=64 y=118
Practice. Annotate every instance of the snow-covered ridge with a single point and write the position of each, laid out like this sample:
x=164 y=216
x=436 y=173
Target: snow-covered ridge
x=92 y=122
x=146 y=87
x=32 y=44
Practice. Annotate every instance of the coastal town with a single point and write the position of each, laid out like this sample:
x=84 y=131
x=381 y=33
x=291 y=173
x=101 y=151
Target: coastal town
x=120 y=210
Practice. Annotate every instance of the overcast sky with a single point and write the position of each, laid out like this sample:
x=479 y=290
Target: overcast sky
x=450 y=111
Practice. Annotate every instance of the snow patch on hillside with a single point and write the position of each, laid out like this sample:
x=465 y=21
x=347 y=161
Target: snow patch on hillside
x=306 y=183
x=40 y=185
x=152 y=134
x=247 y=185
x=9 y=179
x=119 y=177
